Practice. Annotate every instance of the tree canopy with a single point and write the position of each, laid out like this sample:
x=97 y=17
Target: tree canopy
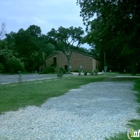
x=115 y=30
x=27 y=49
x=64 y=38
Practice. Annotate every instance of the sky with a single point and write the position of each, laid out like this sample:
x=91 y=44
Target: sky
x=46 y=14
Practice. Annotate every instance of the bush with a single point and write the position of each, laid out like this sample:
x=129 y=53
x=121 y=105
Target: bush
x=96 y=71
x=13 y=65
x=85 y=73
x=92 y=73
x=63 y=70
x=44 y=72
x=50 y=69
x=1 y=68
x=75 y=70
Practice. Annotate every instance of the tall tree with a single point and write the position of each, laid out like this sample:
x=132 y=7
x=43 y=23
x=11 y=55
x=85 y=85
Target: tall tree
x=32 y=47
x=115 y=30
x=65 y=38
x=27 y=46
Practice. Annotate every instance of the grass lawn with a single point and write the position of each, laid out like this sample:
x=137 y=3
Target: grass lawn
x=17 y=95
x=135 y=124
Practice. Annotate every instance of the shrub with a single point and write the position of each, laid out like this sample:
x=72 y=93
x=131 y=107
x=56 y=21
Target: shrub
x=63 y=70
x=50 y=69
x=92 y=73
x=75 y=70
x=85 y=73
x=44 y=72
x=96 y=71
x=1 y=68
x=14 y=65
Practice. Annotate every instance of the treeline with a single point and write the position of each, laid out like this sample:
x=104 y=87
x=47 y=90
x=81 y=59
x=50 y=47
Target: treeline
x=114 y=32
x=27 y=49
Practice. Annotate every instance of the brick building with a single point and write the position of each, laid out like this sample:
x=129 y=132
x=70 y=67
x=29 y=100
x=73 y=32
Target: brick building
x=78 y=61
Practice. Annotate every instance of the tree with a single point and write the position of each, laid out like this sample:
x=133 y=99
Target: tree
x=116 y=29
x=45 y=49
x=33 y=47
x=10 y=40
x=65 y=38
x=8 y=60
x=45 y=45
x=27 y=46
x=34 y=30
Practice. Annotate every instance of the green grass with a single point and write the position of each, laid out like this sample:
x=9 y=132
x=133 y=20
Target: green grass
x=19 y=95
x=16 y=95
x=135 y=124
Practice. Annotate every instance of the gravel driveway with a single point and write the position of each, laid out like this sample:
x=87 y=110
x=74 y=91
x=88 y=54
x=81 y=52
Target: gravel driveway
x=91 y=112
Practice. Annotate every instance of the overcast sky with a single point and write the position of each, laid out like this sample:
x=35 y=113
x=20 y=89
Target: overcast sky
x=47 y=14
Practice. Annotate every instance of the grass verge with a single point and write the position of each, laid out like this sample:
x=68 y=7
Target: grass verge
x=18 y=95
x=134 y=123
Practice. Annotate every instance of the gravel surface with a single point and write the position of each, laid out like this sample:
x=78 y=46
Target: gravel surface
x=92 y=112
